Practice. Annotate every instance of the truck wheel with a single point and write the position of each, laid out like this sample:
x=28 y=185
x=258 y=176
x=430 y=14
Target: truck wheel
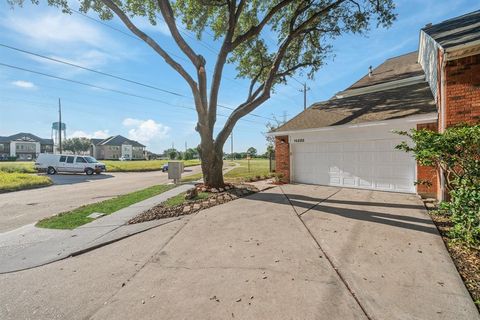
x=51 y=170
x=89 y=171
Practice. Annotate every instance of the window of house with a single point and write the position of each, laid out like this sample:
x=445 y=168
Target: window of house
x=2 y=147
x=70 y=159
x=81 y=160
x=63 y=158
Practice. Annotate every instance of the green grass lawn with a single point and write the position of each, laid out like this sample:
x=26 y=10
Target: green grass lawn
x=112 y=166
x=18 y=181
x=180 y=198
x=17 y=166
x=79 y=216
x=141 y=165
x=258 y=167
x=192 y=177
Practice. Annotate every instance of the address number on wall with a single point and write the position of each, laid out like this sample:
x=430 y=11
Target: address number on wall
x=299 y=140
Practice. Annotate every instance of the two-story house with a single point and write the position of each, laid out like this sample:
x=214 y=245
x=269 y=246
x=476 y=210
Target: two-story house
x=115 y=147
x=24 y=146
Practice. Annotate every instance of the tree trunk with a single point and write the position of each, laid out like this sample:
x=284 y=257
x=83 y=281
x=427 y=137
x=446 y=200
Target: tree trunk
x=212 y=165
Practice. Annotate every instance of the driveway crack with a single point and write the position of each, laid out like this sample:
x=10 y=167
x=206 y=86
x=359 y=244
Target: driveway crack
x=334 y=267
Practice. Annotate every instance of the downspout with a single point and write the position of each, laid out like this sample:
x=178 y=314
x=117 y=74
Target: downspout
x=443 y=114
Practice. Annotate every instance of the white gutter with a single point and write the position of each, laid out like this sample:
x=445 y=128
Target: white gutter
x=426 y=118
x=442 y=110
x=380 y=87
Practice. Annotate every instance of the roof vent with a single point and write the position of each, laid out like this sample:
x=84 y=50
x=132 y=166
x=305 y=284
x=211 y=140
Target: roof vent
x=370 y=72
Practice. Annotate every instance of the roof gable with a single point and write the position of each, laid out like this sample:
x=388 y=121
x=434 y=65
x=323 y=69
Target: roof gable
x=27 y=137
x=396 y=68
x=118 y=140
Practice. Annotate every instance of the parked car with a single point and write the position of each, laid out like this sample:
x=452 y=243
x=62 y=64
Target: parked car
x=53 y=163
x=124 y=158
x=165 y=167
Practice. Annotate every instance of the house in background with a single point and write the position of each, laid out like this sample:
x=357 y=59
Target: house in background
x=115 y=147
x=24 y=146
x=348 y=141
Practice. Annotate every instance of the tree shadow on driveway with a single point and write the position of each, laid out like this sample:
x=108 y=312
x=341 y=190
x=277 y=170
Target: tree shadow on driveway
x=321 y=207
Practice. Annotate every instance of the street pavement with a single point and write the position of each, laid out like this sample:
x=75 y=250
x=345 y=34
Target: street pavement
x=71 y=191
x=291 y=252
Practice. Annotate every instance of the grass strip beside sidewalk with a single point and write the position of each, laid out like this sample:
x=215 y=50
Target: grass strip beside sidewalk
x=79 y=216
x=19 y=181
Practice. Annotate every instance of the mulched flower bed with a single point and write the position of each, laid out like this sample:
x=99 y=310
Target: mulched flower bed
x=218 y=196
x=466 y=259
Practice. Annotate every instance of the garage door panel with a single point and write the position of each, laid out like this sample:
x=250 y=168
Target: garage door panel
x=365 y=182
x=349 y=181
x=373 y=164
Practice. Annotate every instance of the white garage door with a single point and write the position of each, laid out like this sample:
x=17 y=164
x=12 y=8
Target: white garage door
x=372 y=164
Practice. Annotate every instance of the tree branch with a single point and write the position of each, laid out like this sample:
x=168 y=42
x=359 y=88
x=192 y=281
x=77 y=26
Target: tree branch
x=221 y=60
x=153 y=44
x=249 y=106
x=254 y=30
x=167 y=13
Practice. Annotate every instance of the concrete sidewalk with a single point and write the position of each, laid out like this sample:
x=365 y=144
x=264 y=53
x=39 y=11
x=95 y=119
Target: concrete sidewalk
x=255 y=258
x=30 y=247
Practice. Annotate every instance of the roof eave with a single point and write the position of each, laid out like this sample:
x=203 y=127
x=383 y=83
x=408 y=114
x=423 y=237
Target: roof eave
x=423 y=118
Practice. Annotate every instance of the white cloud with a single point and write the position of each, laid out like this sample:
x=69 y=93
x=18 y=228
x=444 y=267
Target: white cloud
x=145 y=131
x=100 y=134
x=55 y=29
x=24 y=84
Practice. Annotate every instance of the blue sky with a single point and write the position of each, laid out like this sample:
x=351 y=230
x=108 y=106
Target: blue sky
x=28 y=102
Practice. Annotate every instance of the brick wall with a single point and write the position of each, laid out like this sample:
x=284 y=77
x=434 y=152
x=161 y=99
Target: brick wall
x=282 y=157
x=463 y=91
x=428 y=173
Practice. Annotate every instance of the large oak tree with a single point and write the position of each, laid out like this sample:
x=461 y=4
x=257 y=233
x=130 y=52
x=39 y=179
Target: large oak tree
x=304 y=29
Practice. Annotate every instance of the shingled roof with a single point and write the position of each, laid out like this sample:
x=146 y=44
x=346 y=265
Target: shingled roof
x=22 y=135
x=398 y=102
x=456 y=31
x=117 y=140
x=397 y=68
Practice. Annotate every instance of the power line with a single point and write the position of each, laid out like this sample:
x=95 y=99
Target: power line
x=114 y=76
x=92 y=85
x=172 y=54
x=92 y=70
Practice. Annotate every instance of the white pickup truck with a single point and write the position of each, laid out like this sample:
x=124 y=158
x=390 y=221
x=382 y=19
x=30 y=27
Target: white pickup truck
x=53 y=163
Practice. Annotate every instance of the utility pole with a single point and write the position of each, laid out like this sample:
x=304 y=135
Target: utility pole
x=231 y=146
x=304 y=90
x=60 y=127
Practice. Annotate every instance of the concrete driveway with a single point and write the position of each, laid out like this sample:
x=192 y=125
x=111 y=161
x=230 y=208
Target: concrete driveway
x=291 y=252
x=71 y=191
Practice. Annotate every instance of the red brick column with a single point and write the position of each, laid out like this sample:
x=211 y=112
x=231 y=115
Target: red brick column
x=463 y=91
x=428 y=173
x=282 y=157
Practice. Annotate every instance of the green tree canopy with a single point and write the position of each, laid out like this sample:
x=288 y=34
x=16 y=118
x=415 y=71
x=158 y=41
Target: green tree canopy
x=77 y=145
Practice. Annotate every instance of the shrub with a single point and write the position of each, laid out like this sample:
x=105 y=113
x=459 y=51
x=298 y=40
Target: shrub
x=279 y=177
x=457 y=153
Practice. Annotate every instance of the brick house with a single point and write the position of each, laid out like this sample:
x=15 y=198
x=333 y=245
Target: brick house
x=114 y=147
x=348 y=141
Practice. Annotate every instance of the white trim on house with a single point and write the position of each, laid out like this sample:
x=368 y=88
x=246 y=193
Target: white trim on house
x=419 y=119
